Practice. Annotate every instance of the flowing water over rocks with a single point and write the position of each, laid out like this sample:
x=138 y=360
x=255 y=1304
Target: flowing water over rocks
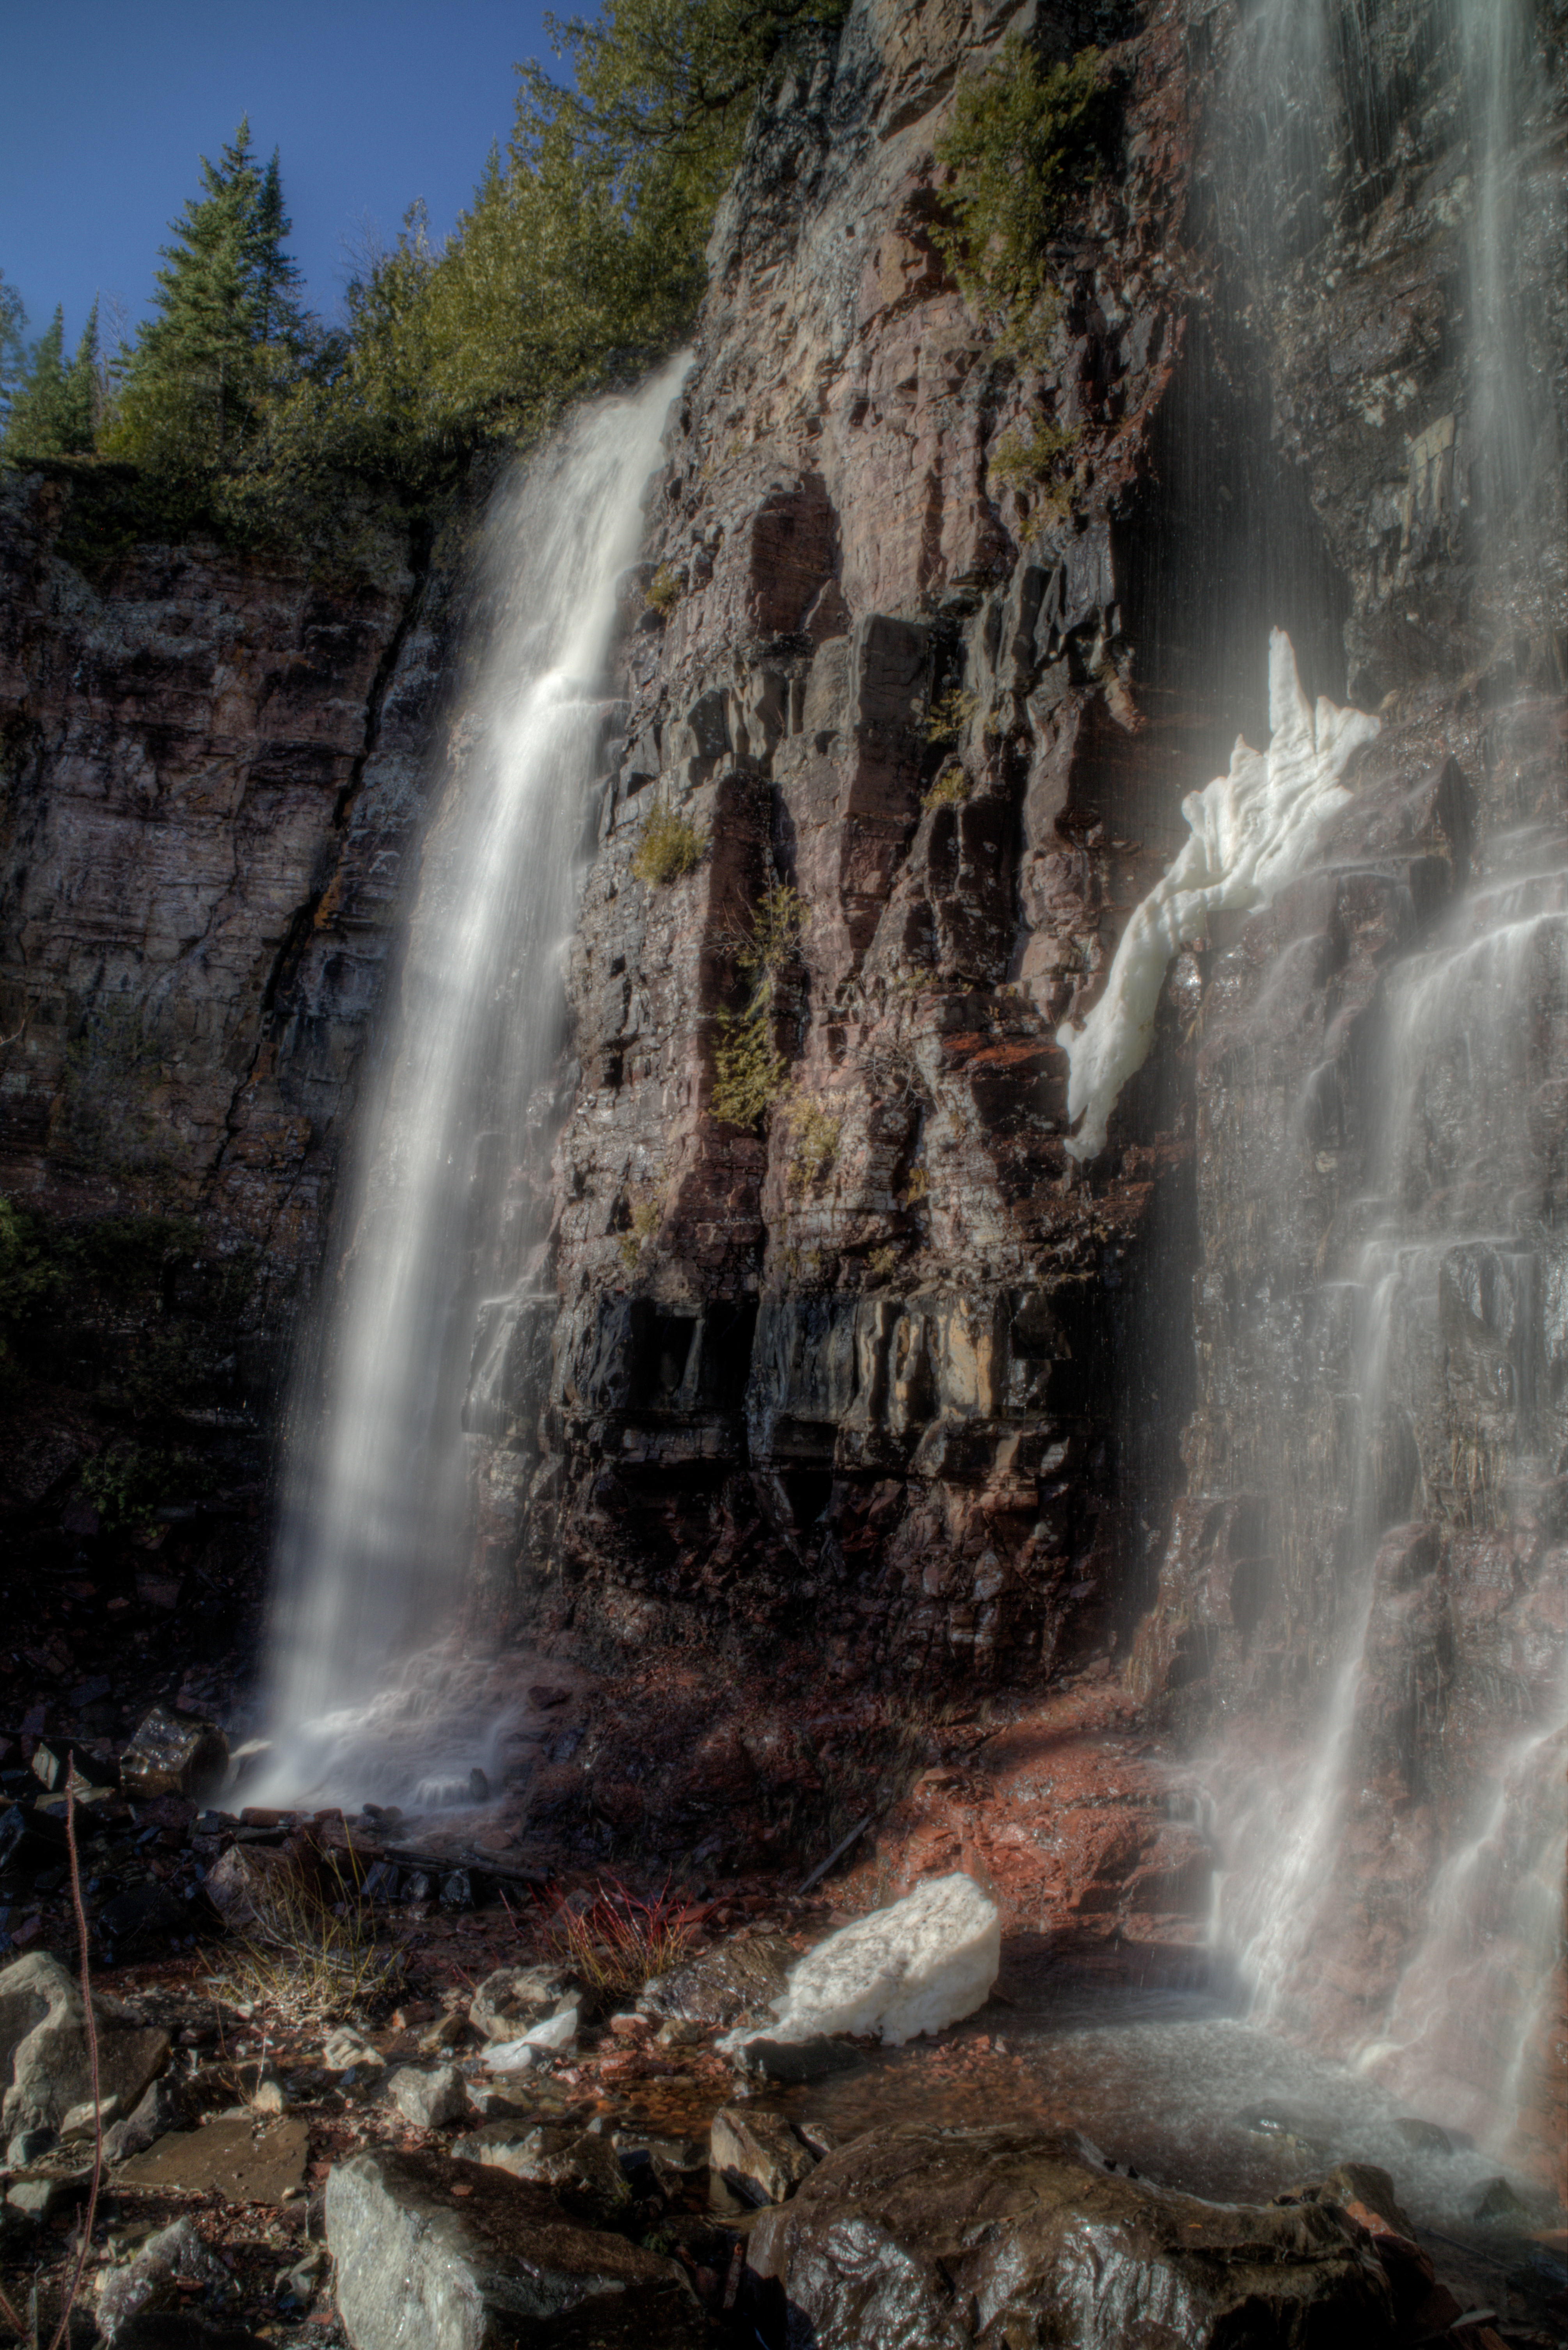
x=442 y=1246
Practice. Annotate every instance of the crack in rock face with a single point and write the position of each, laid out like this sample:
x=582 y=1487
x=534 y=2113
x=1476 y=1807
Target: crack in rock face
x=1252 y=829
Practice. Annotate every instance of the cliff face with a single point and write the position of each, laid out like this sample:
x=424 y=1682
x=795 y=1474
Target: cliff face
x=880 y=1419
x=887 y=1398
x=211 y=774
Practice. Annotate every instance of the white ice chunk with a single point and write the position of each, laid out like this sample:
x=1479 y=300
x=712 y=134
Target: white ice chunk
x=925 y=1961
x=1252 y=830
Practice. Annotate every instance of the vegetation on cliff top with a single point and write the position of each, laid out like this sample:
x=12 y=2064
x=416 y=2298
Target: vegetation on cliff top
x=579 y=262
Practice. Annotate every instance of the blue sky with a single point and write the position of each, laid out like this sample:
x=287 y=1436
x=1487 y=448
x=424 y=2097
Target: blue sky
x=105 y=108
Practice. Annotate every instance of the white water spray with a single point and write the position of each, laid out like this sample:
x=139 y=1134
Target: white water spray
x=373 y=1550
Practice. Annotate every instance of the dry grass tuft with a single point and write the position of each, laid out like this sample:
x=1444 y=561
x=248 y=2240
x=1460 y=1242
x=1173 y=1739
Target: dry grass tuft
x=621 y=1942
x=312 y=1954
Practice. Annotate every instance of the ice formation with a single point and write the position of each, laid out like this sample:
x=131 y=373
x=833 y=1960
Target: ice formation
x=925 y=1962
x=1252 y=830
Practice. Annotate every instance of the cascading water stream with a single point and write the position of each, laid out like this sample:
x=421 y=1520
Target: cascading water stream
x=372 y=1548
x=1463 y=1056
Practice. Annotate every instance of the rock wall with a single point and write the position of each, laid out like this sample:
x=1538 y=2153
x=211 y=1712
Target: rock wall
x=880 y=1413
x=212 y=771
x=885 y=1395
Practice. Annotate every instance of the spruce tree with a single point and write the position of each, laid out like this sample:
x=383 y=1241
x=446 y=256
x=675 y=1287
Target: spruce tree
x=275 y=276
x=13 y=349
x=227 y=327
x=52 y=406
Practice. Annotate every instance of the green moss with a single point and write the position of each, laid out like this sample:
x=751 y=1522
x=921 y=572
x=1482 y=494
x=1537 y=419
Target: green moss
x=669 y=846
x=1021 y=141
x=126 y=1483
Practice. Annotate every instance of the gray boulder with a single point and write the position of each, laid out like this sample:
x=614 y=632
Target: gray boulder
x=494 y=2267
x=954 y=2238
x=757 y=2155
x=430 y=2100
x=509 y=2002
x=44 y=2055
x=163 y=2108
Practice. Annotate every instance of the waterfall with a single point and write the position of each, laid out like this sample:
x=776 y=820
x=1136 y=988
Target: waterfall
x=372 y=1553
x=1456 y=1284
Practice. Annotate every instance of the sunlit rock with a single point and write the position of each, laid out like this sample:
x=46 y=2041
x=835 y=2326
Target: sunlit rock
x=926 y=1962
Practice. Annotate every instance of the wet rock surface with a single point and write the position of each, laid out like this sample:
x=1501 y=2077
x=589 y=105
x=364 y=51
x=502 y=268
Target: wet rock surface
x=992 y=2236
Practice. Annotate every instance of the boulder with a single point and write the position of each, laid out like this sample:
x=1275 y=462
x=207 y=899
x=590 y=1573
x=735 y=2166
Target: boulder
x=513 y=1999
x=167 y=1757
x=430 y=2100
x=163 y=2108
x=44 y=2051
x=791 y=2062
x=992 y=2236
x=758 y=2155
x=920 y=1965
x=580 y=2166
x=344 y=2049
x=437 y=2255
x=734 y=1979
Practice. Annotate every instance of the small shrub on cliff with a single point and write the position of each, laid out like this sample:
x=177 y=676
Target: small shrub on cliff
x=663 y=591
x=1022 y=138
x=1020 y=464
x=949 y=713
x=748 y=1070
x=951 y=789
x=31 y=1281
x=816 y=1142
x=668 y=846
x=882 y=1262
x=645 y=1216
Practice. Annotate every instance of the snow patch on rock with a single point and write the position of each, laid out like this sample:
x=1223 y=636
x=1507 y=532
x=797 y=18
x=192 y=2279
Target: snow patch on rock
x=1252 y=830
x=923 y=1962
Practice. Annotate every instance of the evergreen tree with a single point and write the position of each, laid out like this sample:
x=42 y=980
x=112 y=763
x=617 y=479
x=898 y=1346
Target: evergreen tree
x=13 y=349
x=53 y=407
x=275 y=276
x=227 y=327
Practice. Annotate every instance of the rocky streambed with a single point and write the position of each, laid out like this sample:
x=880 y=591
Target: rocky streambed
x=507 y=2139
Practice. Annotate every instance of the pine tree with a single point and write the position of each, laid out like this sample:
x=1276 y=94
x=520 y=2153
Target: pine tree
x=13 y=349
x=52 y=406
x=276 y=278
x=228 y=326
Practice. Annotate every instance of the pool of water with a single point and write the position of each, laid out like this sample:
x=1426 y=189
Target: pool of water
x=1165 y=2077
